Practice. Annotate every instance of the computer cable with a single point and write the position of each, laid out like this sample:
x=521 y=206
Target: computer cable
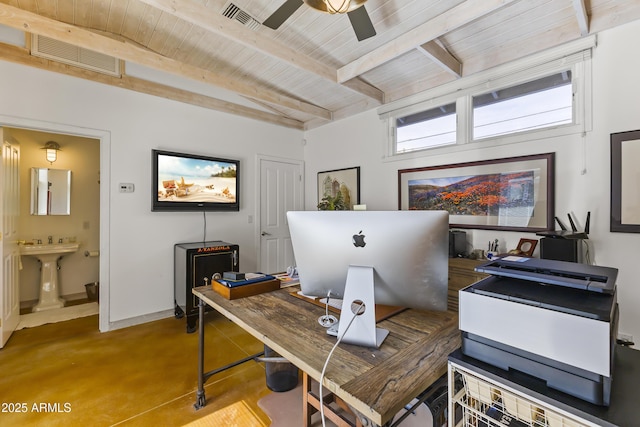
x=204 y=228
x=327 y=320
x=326 y=363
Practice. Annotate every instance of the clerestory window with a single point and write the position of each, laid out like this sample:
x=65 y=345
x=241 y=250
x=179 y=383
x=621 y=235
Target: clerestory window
x=529 y=106
x=431 y=128
x=534 y=98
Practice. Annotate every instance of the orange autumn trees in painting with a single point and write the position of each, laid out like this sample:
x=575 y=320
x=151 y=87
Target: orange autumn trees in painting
x=476 y=195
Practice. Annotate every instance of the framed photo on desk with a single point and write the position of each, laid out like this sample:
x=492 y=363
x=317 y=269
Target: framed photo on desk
x=527 y=246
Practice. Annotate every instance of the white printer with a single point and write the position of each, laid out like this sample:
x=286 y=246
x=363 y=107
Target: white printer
x=553 y=320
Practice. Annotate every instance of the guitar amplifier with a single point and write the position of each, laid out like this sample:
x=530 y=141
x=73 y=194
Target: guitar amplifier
x=197 y=264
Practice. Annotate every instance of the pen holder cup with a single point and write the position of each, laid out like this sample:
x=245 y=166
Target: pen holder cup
x=492 y=254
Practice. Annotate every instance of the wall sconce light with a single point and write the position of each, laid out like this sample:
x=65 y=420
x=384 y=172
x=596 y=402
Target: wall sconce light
x=52 y=149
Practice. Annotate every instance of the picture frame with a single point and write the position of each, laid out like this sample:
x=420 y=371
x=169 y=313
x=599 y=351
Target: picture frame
x=526 y=247
x=625 y=200
x=508 y=194
x=346 y=180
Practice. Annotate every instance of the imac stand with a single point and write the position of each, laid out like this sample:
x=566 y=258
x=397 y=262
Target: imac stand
x=359 y=289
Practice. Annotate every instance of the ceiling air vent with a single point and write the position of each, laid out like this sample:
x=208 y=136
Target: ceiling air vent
x=232 y=11
x=55 y=50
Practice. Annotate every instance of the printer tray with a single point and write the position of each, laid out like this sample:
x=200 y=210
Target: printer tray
x=585 y=385
x=565 y=274
x=592 y=305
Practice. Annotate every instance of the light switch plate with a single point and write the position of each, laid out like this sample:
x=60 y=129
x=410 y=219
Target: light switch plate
x=126 y=187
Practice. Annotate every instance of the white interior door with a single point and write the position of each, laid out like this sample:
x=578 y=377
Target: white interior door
x=281 y=190
x=9 y=210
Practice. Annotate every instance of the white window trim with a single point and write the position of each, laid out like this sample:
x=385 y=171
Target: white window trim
x=575 y=56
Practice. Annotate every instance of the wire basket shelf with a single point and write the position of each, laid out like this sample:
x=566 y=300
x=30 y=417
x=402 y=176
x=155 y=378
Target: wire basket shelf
x=479 y=403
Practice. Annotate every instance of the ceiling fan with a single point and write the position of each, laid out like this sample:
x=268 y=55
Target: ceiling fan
x=354 y=9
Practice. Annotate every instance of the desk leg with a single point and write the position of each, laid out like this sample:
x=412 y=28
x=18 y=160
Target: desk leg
x=203 y=376
x=311 y=404
x=201 y=400
x=307 y=409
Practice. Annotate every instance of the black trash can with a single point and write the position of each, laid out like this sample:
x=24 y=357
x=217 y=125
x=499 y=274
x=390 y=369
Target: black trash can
x=281 y=374
x=93 y=291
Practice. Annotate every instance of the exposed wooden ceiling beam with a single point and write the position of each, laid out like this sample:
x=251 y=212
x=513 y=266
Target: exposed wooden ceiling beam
x=581 y=16
x=33 y=23
x=205 y=18
x=442 y=57
x=22 y=56
x=446 y=22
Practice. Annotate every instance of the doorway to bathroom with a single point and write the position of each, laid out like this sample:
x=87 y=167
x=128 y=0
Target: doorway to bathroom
x=81 y=155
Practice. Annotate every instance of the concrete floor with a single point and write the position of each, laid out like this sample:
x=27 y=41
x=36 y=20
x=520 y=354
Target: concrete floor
x=70 y=374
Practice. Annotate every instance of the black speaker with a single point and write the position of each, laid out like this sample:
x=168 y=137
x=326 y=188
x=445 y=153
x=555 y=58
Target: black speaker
x=457 y=243
x=561 y=249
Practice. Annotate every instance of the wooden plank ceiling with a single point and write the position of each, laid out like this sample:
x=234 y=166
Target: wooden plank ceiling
x=311 y=70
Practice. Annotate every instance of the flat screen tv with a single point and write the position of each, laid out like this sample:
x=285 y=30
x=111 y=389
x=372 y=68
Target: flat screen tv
x=190 y=182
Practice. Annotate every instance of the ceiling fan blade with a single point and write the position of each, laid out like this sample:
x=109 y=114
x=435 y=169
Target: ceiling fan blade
x=361 y=23
x=282 y=14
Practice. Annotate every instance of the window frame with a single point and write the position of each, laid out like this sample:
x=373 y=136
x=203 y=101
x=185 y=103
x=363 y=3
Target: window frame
x=473 y=129
x=395 y=129
x=578 y=61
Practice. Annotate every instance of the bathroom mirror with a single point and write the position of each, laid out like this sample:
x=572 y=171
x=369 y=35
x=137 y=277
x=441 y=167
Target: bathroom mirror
x=50 y=191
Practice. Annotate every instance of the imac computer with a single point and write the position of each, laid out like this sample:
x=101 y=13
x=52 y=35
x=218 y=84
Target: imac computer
x=397 y=258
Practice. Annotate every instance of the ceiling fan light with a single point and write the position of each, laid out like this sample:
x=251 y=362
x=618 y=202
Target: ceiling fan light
x=337 y=6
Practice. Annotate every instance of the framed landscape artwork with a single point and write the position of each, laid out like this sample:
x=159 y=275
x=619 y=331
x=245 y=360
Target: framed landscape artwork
x=511 y=194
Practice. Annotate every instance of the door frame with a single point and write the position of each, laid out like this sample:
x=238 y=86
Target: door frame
x=258 y=210
x=9 y=249
x=105 y=184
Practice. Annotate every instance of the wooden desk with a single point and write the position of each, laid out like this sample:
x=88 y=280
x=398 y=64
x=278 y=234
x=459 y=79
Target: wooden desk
x=377 y=383
x=461 y=275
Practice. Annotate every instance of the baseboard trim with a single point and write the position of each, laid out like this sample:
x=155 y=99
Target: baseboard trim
x=139 y=320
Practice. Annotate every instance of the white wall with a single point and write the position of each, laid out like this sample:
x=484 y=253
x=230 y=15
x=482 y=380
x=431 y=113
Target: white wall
x=359 y=141
x=141 y=242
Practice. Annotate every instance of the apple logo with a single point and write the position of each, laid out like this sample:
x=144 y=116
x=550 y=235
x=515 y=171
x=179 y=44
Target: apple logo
x=358 y=240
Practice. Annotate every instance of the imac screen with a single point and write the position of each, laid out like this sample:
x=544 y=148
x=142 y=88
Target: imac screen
x=408 y=251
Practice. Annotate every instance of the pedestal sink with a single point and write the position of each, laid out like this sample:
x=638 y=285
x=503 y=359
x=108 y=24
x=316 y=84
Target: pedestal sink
x=49 y=255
